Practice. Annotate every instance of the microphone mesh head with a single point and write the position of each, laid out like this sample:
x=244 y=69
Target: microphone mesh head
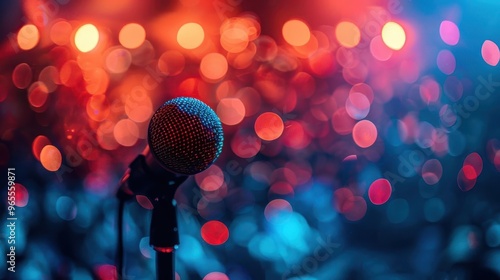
x=185 y=135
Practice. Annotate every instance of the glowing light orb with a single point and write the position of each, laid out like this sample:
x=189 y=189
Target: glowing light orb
x=132 y=35
x=22 y=195
x=446 y=62
x=37 y=94
x=475 y=162
x=275 y=208
x=269 y=126
x=490 y=53
x=432 y=170
x=214 y=233
x=449 y=32
x=216 y=276
x=126 y=132
x=211 y=179
x=231 y=111
x=364 y=133
x=357 y=105
x=380 y=191
x=190 y=35
x=60 y=32
x=296 y=32
x=467 y=178
x=86 y=38
x=38 y=144
x=213 y=66
x=22 y=76
x=393 y=35
x=51 y=158
x=347 y=34
x=28 y=37
x=379 y=49
x=234 y=40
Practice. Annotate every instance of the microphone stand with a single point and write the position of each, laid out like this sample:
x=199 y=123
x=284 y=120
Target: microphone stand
x=159 y=185
x=164 y=234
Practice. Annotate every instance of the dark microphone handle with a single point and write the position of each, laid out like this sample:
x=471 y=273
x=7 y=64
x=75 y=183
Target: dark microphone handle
x=164 y=236
x=165 y=266
x=164 y=233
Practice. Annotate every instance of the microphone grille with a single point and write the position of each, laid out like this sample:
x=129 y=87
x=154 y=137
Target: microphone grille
x=185 y=135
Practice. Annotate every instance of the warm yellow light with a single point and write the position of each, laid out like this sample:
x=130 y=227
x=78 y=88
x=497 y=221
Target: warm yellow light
x=28 y=37
x=347 y=34
x=296 y=32
x=132 y=35
x=190 y=35
x=393 y=35
x=86 y=37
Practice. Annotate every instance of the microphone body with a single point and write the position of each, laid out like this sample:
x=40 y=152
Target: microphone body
x=184 y=138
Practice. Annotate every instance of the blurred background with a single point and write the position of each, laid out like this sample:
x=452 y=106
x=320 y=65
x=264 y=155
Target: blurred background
x=361 y=137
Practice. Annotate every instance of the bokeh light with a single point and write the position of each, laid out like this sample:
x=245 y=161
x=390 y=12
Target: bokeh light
x=393 y=35
x=118 y=60
x=275 y=209
x=296 y=32
x=22 y=195
x=38 y=144
x=190 y=35
x=379 y=49
x=214 y=233
x=490 y=52
x=269 y=126
x=473 y=166
x=211 y=179
x=51 y=158
x=467 y=178
x=22 y=76
x=234 y=38
x=246 y=145
x=126 y=132
x=432 y=170
x=446 y=62
x=348 y=34
x=49 y=76
x=231 y=111
x=60 y=32
x=357 y=105
x=213 y=66
x=364 y=133
x=430 y=90
x=37 y=94
x=449 y=32
x=380 y=191
x=216 y=276
x=28 y=37
x=86 y=37
x=132 y=35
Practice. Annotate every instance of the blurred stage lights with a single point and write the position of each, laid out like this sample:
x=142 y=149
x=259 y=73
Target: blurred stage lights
x=86 y=37
x=394 y=35
x=190 y=35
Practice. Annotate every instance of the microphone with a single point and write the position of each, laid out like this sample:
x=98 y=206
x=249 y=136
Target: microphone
x=185 y=137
